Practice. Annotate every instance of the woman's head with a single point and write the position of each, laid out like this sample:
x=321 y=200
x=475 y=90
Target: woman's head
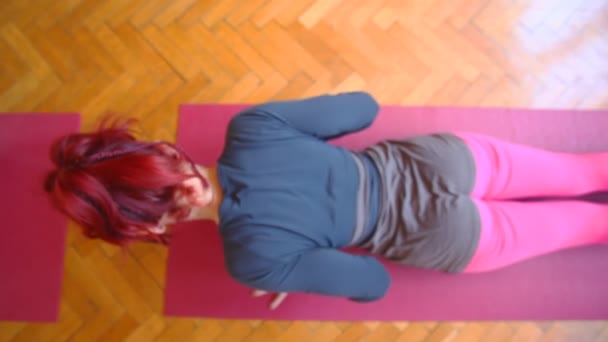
x=120 y=189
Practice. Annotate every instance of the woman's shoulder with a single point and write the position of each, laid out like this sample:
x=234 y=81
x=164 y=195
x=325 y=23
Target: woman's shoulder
x=252 y=116
x=244 y=237
x=258 y=124
x=255 y=252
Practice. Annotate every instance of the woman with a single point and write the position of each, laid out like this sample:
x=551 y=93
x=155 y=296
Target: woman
x=286 y=202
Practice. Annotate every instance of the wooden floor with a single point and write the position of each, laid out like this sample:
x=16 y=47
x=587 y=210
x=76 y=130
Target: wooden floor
x=145 y=57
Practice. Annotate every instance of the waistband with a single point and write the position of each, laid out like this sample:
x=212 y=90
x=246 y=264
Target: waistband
x=367 y=199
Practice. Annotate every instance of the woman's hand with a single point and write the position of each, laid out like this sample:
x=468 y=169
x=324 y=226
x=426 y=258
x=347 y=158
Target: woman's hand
x=276 y=301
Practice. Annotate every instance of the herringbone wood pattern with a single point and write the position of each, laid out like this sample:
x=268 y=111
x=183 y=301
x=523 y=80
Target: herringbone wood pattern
x=145 y=57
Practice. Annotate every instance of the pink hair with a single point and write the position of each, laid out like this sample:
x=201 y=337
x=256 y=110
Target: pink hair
x=116 y=187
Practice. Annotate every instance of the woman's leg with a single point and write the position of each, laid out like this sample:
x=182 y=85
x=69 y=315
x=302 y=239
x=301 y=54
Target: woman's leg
x=516 y=231
x=506 y=170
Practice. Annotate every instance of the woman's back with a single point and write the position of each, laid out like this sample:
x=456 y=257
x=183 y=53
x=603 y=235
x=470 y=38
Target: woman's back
x=290 y=198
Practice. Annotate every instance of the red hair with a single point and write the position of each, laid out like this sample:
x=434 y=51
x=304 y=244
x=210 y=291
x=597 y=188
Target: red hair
x=116 y=187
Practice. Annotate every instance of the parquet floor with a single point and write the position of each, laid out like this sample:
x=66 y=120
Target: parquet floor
x=145 y=57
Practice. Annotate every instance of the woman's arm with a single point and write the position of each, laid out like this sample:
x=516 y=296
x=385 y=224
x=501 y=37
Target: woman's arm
x=324 y=271
x=325 y=116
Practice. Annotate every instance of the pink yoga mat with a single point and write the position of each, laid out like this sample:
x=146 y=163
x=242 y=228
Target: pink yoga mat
x=566 y=285
x=33 y=235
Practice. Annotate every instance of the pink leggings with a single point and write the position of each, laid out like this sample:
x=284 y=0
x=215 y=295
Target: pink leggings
x=513 y=231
